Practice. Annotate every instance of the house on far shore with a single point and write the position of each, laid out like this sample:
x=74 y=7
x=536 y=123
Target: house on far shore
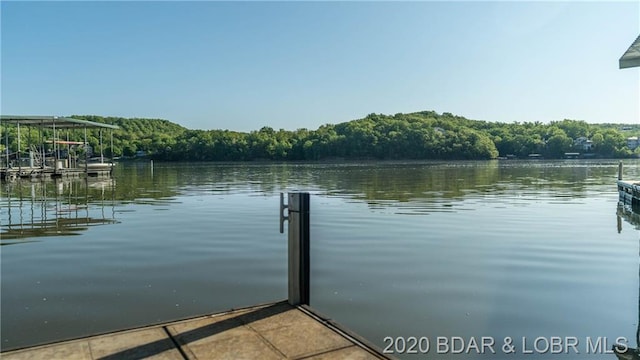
x=583 y=143
x=633 y=142
x=439 y=130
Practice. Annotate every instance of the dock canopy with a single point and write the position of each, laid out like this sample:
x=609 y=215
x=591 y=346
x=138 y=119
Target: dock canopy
x=631 y=58
x=53 y=122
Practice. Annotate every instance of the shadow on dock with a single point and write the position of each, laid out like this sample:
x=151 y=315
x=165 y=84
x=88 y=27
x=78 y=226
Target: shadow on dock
x=273 y=331
x=194 y=334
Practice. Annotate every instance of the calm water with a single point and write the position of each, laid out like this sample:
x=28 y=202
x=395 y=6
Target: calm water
x=467 y=249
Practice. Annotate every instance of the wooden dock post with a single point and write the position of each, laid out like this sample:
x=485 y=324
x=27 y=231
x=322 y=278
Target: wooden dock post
x=299 y=267
x=620 y=170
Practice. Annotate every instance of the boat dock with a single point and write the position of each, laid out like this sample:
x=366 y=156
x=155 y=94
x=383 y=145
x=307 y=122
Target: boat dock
x=288 y=329
x=49 y=151
x=629 y=191
x=48 y=172
x=273 y=331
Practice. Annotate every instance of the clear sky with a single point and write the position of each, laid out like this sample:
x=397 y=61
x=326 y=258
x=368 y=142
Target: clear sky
x=243 y=65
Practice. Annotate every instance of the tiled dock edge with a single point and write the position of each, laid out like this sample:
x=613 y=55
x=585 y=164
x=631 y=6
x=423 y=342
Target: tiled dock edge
x=272 y=331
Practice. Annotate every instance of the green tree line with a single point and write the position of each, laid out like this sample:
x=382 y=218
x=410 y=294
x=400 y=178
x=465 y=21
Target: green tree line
x=421 y=135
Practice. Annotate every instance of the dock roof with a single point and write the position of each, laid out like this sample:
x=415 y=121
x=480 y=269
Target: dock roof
x=58 y=122
x=631 y=57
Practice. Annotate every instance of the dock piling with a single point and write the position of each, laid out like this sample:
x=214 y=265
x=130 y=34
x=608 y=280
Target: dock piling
x=620 y=170
x=298 y=244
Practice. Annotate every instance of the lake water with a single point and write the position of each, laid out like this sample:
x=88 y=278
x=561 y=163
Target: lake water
x=532 y=249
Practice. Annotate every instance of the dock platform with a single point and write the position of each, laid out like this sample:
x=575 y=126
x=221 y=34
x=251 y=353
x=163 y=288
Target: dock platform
x=272 y=331
x=51 y=173
x=629 y=192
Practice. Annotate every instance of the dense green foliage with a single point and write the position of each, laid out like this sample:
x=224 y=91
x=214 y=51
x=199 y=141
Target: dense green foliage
x=149 y=135
x=422 y=135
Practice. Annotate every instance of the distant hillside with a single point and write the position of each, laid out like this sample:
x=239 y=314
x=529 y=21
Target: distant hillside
x=420 y=135
x=148 y=135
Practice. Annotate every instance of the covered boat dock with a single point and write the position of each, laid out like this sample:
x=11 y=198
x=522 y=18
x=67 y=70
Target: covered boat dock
x=629 y=190
x=631 y=57
x=54 y=154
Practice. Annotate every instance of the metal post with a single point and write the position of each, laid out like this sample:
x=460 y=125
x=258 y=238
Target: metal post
x=53 y=140
x=56 y=155
x=18 y=154
x=6 y=144
x=101 y=153
x=86 y=153
x=30 y=150
x=299 y=269
x=111 y=136
x=43 y=158
x=68 y=157
x=111 y=169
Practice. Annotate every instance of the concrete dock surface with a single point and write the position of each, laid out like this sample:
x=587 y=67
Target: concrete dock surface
x=272 y=331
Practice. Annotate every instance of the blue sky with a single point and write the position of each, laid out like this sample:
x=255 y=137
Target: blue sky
x=243 y=65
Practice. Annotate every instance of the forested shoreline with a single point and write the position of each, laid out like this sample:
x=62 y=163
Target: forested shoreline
x=421 y=135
